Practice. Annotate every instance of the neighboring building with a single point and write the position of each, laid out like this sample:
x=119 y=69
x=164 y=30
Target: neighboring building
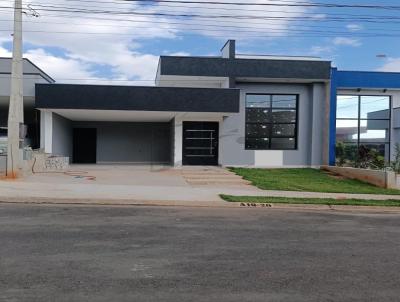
x=233 y=110
x=32 y=75
x=365 y=111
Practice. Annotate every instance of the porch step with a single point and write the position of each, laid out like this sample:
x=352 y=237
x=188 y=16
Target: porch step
x=216 y=182
x=213 y=176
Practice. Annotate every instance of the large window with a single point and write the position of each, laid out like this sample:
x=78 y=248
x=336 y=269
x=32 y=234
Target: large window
x=362 y=125
x=271 y=122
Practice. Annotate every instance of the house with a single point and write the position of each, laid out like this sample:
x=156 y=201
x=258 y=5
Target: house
x=231 y=110
x=32 y=75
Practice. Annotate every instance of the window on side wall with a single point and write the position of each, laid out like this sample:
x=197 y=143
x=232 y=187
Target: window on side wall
x=271 y=122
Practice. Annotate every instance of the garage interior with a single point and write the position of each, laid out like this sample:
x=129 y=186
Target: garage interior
x=112 y=142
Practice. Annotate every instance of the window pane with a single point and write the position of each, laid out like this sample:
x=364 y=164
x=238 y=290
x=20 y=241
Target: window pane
x=381 y=148
x=375 y=107
x=258 y=100
x=346 y=153
x=347 y=106
x=284 y=101
x=257 y=143
x=257 y=115
x=257 y=130
x=374 y=130
x=283 y=143
x=283 y=130
x=347 y=131
x=283 y=116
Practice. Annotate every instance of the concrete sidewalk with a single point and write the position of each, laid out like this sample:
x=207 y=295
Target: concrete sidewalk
x=92 y=193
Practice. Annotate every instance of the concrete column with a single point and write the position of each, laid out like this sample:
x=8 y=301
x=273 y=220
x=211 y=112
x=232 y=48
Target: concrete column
x=46 y=131
x=318 y=124
x=178 y=135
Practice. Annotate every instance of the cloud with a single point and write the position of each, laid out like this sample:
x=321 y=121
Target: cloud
x=342 y=41
x=179 y=54
x=317 y=50
x=5 y=52
x=354 y=27
x=86 y=42
x=391 y=65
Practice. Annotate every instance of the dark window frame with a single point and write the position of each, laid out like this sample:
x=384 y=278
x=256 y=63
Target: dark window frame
x=359 y=142
x=270 y=123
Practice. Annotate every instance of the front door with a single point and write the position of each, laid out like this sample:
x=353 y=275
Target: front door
x=84 y=145
x=200 y=143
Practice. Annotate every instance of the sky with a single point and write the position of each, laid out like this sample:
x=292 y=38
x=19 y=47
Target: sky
x=119 y=42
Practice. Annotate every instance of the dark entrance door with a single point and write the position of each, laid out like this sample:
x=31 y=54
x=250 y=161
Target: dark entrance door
x=84 y=145
x=200 y=143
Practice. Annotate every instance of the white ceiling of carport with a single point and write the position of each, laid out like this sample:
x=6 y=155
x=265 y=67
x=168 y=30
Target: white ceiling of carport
x=131 y=116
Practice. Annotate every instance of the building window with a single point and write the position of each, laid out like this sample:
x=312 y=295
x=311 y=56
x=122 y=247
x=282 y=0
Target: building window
x=362 y=125
x=271 y=122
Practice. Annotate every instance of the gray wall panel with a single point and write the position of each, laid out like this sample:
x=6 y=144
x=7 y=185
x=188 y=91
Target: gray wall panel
x=232 y=135
x=131 y=142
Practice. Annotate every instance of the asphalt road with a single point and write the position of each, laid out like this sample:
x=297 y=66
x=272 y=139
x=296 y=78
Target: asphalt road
x=98 y=253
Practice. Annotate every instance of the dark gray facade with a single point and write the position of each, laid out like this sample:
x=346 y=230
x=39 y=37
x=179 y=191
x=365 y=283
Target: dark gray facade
x=244 y=68
x=105 y=97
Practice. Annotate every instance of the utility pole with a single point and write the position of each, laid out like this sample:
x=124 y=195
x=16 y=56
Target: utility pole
x=16 y=106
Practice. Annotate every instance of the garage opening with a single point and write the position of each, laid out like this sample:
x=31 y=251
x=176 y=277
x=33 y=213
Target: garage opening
x=122 y=142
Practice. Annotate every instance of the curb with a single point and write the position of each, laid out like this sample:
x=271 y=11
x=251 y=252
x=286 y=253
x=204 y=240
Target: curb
x=194 y=204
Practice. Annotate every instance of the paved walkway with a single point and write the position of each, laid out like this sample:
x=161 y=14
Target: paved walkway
x=146 y=185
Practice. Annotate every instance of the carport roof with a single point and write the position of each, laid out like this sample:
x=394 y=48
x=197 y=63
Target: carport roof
x=140 y=98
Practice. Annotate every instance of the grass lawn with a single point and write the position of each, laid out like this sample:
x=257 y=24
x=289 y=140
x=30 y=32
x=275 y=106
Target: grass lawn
x=307 y=180
x=322 y=201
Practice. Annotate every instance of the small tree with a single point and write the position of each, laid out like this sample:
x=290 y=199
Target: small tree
x=340 y=154
x=395 y=164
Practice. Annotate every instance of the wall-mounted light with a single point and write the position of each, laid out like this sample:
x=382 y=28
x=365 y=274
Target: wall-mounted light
x=384 y=90
x=358 y=89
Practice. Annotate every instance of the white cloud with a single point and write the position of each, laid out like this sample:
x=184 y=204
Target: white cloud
x=318 y=50
x=179 y=54
x=354 y=27
x=391 y=65
x=5 y=52
x=343 y=41
x=89 y=40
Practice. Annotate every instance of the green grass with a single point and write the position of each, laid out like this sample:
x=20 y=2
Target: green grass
x=314 y=201
x=307 y=180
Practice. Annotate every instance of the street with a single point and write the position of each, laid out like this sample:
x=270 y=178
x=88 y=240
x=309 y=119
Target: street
x=103 y=253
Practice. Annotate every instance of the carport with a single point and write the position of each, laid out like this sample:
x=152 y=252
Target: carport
x=132 y=125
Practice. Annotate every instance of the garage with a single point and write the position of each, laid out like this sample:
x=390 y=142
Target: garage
x=121 y=142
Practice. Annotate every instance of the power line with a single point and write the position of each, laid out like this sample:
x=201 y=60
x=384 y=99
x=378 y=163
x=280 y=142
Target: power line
x=161 y=5
x=281 y=4
x=227 y=28
x=360 y=19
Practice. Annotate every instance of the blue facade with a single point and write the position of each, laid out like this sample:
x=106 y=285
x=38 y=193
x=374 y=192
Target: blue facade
x=355 y=80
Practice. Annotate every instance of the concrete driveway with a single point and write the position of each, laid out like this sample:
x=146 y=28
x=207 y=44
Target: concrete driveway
x=124 y=184
x=77 y=253
x=141 y=175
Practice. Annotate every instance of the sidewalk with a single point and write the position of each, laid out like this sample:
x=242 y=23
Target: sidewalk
x=92 y=193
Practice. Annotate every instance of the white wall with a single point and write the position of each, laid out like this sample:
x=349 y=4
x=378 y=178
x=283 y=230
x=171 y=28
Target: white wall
x=46 y=131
